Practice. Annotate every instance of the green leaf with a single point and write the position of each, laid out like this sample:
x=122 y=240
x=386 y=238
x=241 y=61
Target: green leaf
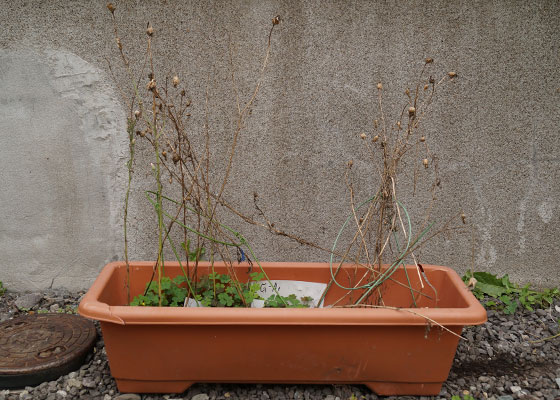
x=506 y=282
x=257 y=276
x=486 y=277
x=225 y=299
x=490 y=289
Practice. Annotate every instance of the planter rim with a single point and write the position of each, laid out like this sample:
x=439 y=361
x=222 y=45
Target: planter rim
x=92 y=307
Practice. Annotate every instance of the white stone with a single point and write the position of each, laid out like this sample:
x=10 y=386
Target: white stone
x=128 y=396
x=200 y=396
x=515 y=389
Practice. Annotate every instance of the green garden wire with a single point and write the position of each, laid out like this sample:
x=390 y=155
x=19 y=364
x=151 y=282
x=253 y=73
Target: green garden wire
x=390 y=270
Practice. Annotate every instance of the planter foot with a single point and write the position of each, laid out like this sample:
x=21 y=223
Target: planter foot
x=143 y=386
x=403 y=388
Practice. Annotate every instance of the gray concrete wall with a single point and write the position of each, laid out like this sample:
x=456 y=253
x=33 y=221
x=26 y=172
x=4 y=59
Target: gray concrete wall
x=495 y=129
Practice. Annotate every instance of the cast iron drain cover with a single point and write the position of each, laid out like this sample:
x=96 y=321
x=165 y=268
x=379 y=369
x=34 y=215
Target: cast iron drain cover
x=41 y=347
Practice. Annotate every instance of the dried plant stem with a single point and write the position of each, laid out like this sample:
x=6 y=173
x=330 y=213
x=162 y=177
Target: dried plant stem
x=432 y=321
x=129 y=165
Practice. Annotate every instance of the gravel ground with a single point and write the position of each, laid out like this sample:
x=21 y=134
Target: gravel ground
x=497 y=362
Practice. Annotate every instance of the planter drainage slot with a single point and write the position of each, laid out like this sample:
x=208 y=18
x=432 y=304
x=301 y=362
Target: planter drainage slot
x=41 y=347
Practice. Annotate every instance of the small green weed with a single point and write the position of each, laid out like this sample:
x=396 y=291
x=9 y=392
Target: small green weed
x=220 y=290
x=173 y=293
x=2 y=289
x=505 y=295
x=465 y=397
x=291 y=301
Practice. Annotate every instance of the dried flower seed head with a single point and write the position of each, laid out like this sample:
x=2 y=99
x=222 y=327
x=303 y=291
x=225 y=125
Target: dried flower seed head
x=151 y=85
x=426 y=87
x=183 y=93
x=138 y=133
x=150 y=31
x=375 y=124
x=133 y=142
x=164 y=154
x=407 y=92
x=452 y=74
x=170 y=180
x=111 y=7
x=425 y=162
x=175 y=81
x=375 y=138
x=137 y=114
x=276 y=20
x=399 y=125
x=379 y=86
x=175 y=158
x=350 y=163
x=429 y=60
x=363 y=135
x=411 y=111
x=432 y=80
x=423 y=138
x=119 y=44
x=463 y=218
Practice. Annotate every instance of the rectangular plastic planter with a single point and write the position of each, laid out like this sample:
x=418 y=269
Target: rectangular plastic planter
x=165 y=350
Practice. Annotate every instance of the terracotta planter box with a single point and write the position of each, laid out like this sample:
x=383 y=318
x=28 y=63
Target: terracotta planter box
x=166 y=350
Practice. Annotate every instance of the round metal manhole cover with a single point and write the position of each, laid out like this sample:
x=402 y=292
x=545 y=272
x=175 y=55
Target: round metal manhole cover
x=41 y=347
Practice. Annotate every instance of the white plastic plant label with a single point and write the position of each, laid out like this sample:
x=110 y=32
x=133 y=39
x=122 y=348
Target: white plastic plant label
x=299 y=288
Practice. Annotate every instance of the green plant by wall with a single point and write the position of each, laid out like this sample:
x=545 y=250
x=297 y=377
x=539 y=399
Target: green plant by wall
x=2 y=289
x=502 y=294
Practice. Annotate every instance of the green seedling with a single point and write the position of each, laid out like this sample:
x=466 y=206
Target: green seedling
x=213 y=290
x=291 y=301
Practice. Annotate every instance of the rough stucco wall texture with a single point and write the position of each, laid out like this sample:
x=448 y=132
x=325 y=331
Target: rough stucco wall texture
x=494 y=130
